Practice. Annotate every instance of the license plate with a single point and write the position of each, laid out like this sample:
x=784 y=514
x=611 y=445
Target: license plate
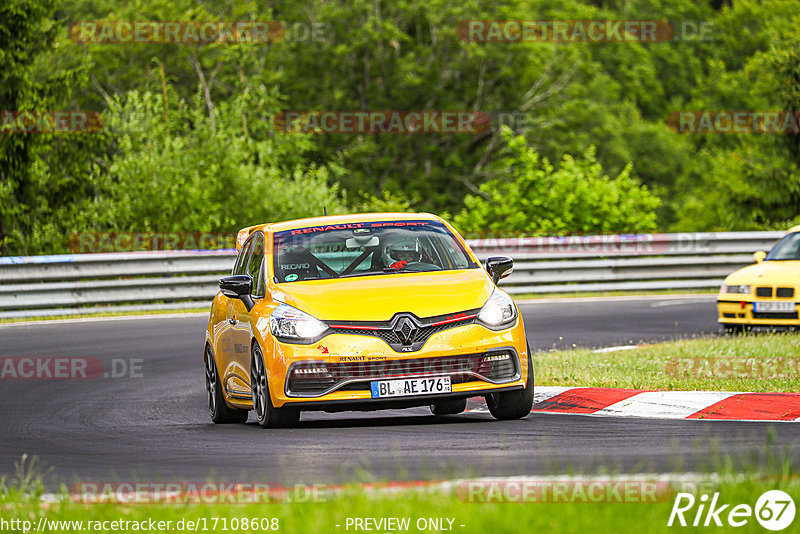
x=773 y=307
x=410 y=386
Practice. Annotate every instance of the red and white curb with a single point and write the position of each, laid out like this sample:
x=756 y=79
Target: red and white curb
x=714 y=405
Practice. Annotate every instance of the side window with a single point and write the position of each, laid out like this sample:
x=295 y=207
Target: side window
x=255 y=266
x=259 y=283
x=244 y=255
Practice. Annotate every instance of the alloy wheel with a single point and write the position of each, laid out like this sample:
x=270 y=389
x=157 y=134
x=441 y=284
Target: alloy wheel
x=211 y=381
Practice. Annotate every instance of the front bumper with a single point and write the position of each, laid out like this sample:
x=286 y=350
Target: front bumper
x=478 y=361
x=740 y=312
x=397 y=403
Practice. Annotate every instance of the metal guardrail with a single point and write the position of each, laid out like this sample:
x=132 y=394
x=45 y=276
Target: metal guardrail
x=81 y=283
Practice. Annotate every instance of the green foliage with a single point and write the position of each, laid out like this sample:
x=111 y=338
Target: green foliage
x=215 y=147
x=44 y=178
x=746 y=181
x=205 y=171
x=386 y=203
x=537 y=198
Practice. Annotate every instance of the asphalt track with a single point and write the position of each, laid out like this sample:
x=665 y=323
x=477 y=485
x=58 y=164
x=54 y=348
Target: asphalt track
x=156 y=426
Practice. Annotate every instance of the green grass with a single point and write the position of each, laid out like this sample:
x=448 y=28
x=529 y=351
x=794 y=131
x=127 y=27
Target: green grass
x=479 y=518
x=751 y=362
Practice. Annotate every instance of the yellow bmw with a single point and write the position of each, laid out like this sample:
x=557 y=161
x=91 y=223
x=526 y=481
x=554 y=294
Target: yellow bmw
x=363 y=312
x=765 y=293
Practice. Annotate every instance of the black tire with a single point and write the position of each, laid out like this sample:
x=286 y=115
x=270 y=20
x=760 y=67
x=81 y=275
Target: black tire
x=513 y=404
x=266 y=414
x=449 y=407
x=221 y=413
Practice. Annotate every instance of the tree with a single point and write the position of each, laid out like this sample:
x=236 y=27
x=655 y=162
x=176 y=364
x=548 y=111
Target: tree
x=577 y=197
x=195 y=172
x=44 y=178
x=746 y=181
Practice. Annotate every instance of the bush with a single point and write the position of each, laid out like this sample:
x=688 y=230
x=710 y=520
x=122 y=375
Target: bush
x=536 y=198
x=185 y=169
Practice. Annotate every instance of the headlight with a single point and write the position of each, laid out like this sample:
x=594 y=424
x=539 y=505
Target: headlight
x=499 y=310
x=741 y=289
x=292 y=324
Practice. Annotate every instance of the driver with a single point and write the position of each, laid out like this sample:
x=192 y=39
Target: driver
x=401 y=252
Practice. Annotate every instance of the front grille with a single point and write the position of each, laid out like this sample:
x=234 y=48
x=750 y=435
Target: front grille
x=391 y=338
x=404 y=332
x=763 y=291
x=784 y=292
x=356 y=376
x=774 y=315
x=729 y=315
x=311 y=384
x=498 y=370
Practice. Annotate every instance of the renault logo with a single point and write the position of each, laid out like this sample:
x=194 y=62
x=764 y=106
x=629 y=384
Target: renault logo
x=406 y=330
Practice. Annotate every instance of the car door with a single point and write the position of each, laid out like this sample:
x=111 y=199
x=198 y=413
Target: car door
x=225 y=348
x=238 y=371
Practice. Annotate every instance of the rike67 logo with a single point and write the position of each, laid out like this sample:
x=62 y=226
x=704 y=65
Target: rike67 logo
x=774 y=510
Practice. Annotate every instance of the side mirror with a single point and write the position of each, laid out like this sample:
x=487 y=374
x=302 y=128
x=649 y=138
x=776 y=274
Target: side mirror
x=759 y=256
x=239 y=286
x=499 y=267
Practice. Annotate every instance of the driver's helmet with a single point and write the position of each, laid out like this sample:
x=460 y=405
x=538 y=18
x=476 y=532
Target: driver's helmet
x=405 y=249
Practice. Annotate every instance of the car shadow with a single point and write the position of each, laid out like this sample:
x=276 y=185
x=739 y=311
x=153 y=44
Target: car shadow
x=343 y=421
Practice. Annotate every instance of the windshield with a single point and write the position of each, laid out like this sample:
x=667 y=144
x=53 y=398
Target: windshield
x=370 y=248
x=787 y=248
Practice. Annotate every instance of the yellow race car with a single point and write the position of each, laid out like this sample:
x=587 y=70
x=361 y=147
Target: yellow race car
x=363 y=312
x=766 y=293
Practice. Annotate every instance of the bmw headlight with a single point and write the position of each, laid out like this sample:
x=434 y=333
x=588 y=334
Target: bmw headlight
x=289 y=323
x=499 y=311
x=740 y=289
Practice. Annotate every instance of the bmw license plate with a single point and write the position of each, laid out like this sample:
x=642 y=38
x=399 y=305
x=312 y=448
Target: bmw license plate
x=410 y=386
x=773 y=307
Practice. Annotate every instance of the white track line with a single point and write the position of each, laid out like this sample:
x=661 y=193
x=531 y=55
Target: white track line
x=664 y=404
x=568 y=300
x=616 y=348
x=680 y=302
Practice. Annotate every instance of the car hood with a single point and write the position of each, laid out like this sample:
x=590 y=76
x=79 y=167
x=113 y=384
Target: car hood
x=767 y=273
x=379 y=298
